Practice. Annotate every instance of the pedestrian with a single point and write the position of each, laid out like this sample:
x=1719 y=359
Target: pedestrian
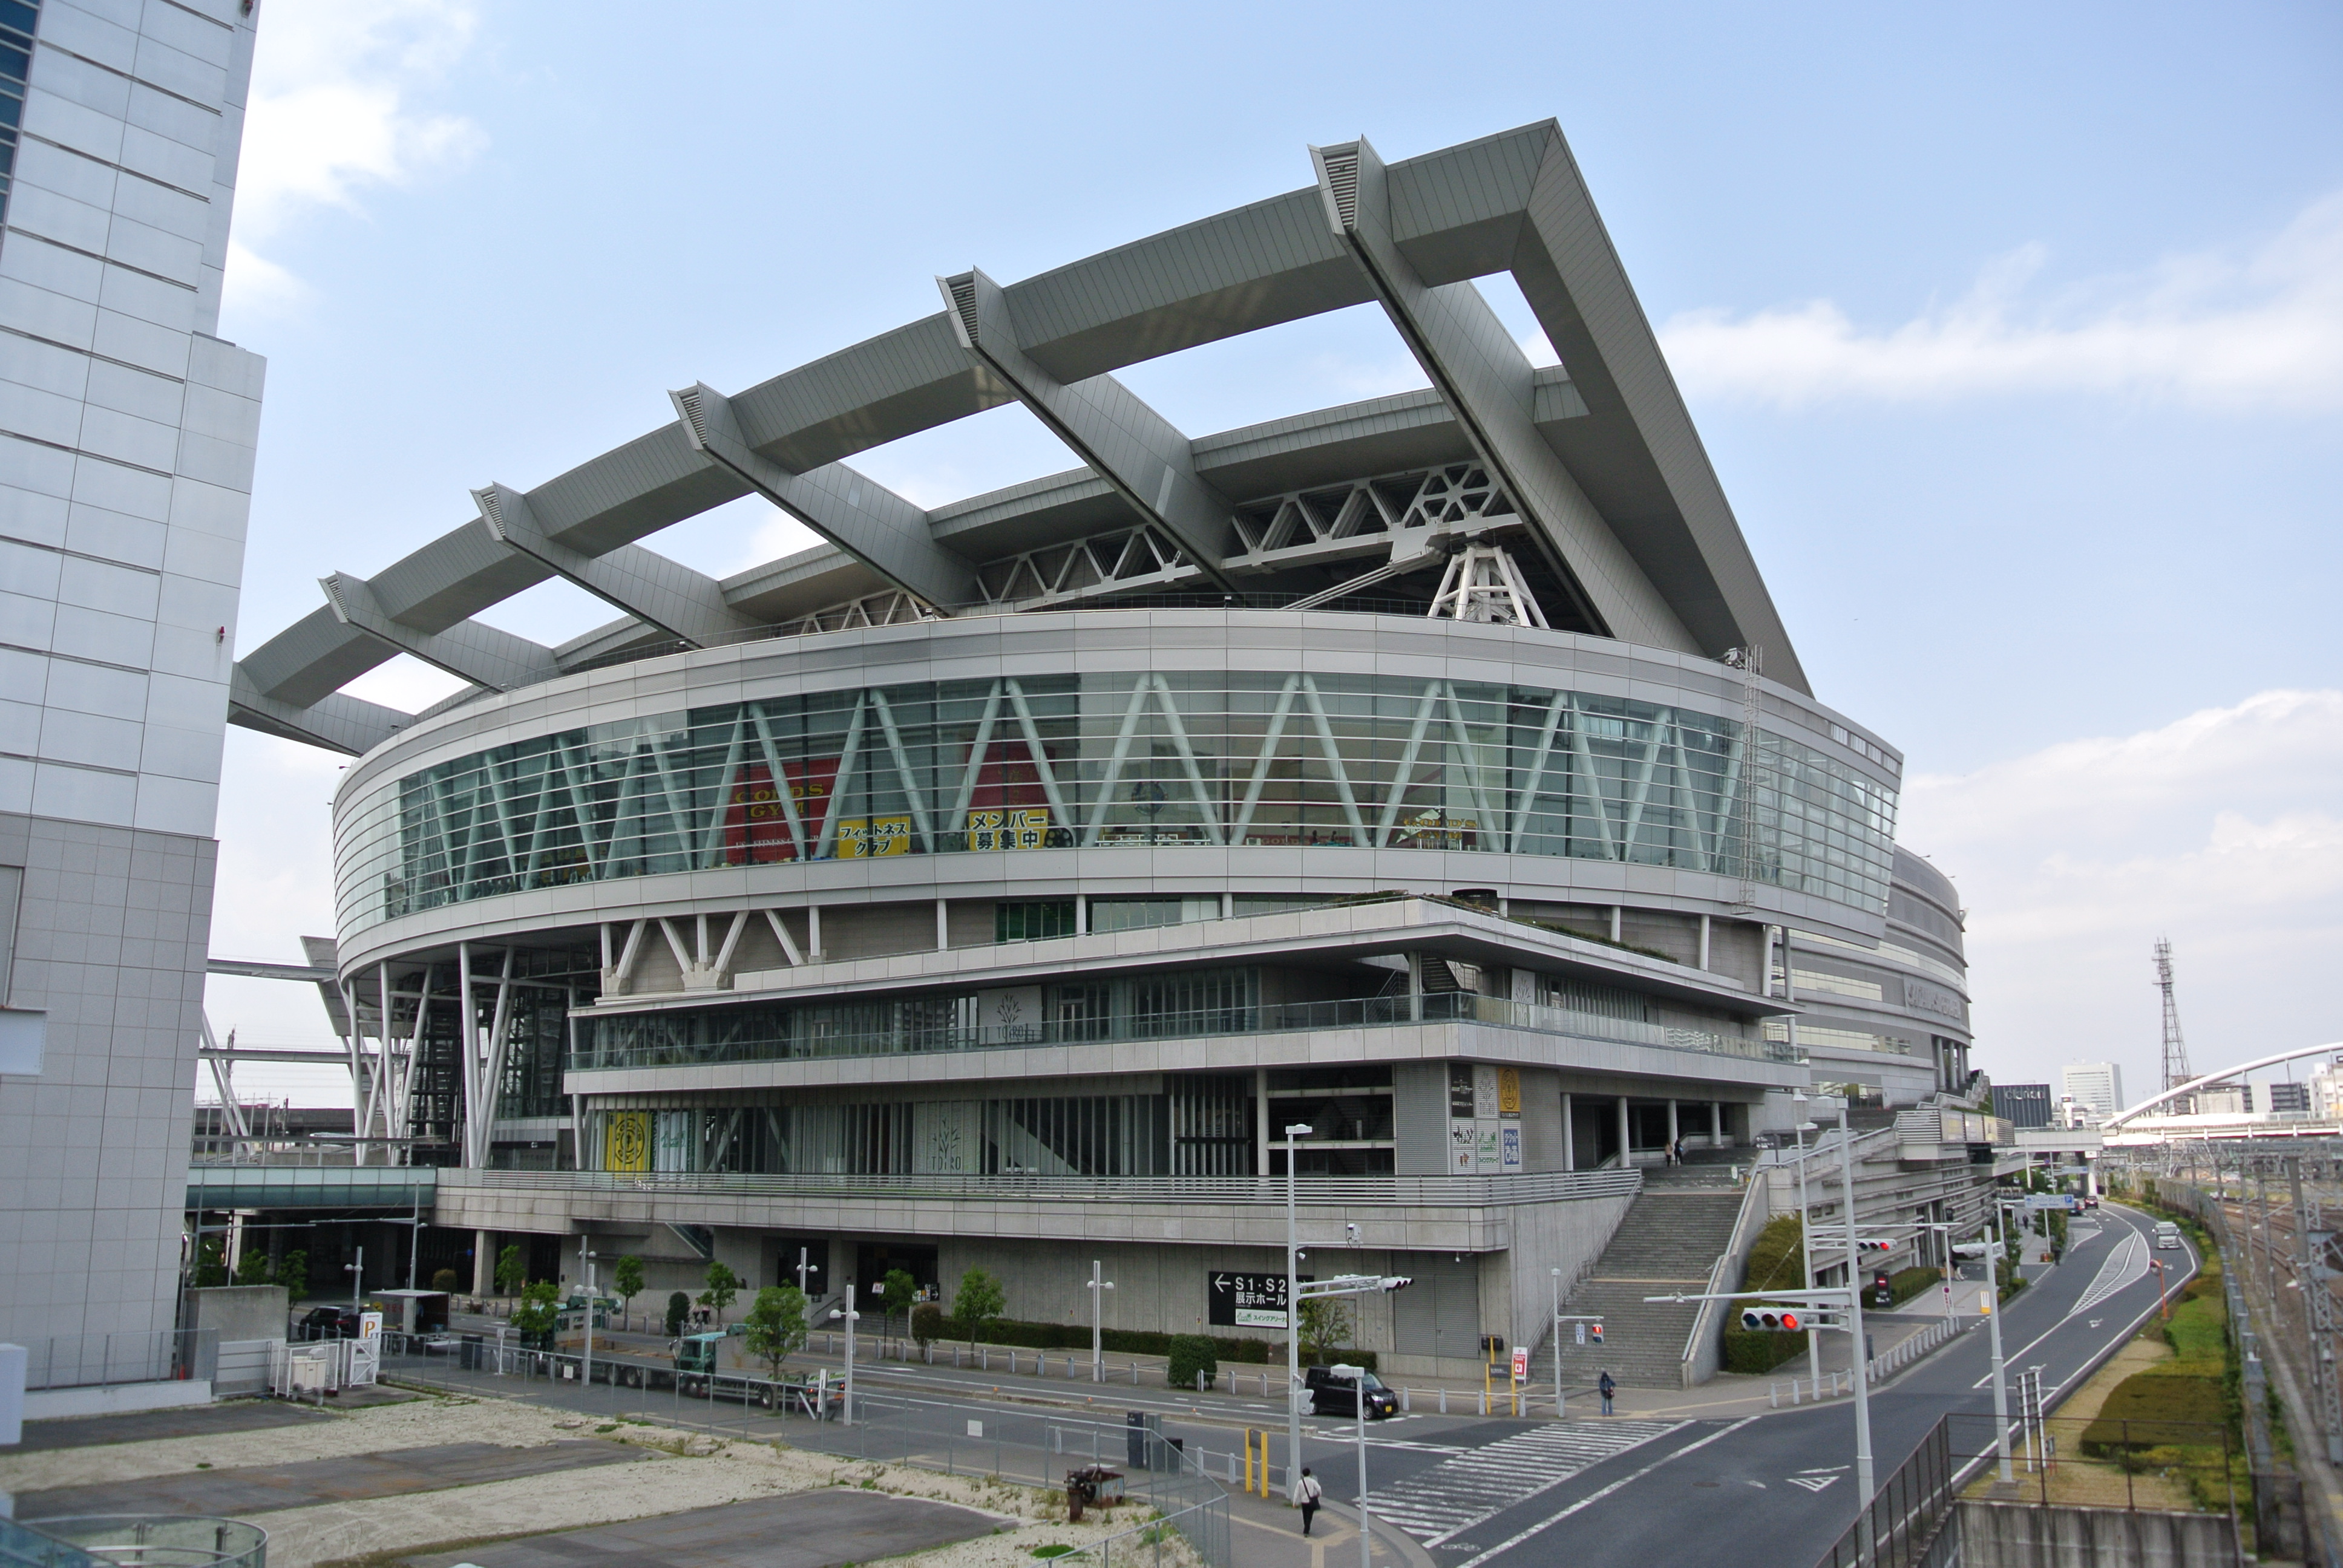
x=1602 y=1386
x=1306 y=1495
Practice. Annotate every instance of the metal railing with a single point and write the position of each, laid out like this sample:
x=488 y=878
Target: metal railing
x=106 y=1361
x=1276 y=1018
x=1445 y=1191
x=135 y=1541
x=1899 y=1527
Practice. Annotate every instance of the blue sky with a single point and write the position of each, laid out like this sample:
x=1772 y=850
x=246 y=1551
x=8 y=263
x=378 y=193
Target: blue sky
x=2015 y=335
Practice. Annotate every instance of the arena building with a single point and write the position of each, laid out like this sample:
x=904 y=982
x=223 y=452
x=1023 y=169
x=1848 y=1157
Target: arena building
x=997 y=884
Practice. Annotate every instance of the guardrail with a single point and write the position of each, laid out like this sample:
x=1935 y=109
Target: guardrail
x=652 y=1045
x=1434 y=1192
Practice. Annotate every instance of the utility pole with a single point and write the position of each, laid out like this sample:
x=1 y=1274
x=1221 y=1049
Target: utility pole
x=1293 y=1320
x=1993 y=1265
x=1806 y=1247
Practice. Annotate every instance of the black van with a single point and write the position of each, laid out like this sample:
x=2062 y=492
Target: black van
x=1334 y=1395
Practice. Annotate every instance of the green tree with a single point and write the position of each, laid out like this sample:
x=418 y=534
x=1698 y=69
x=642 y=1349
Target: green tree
x=512 y=1271
x=539 y=1312
x=678 y=1307
x=211 y=1262
x=978 y=1301
x=776 y=1325
x=1325 y=1327
x=722 y=1284
x=252 y=1267
x=626 y=1279
x=897 y=1291
x=293 y=1273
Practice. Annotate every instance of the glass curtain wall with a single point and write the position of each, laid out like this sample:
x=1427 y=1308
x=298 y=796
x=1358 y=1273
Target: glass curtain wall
x=1010 y=765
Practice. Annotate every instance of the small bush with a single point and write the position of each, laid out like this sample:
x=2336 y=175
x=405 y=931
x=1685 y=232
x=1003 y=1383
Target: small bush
x=928 y=1323
x=445 y=1280
x=1191 y=1355
x=678 y=1308
x=1756 y=1350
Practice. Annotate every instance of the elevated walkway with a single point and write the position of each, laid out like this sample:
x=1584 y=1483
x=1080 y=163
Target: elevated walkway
x=246 y=1186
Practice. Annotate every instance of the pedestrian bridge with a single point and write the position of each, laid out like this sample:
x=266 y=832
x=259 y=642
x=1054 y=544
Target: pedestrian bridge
x=253 y=1186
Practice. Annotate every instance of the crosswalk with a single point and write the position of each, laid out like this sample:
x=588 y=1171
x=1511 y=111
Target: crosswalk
x=1458 y=1493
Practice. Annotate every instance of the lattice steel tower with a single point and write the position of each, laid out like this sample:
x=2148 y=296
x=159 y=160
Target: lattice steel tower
x=2176 y=1050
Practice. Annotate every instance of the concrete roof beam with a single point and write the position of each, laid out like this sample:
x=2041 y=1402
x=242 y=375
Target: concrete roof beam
x=336 y=722
x=1129 y=445
x=861 y=517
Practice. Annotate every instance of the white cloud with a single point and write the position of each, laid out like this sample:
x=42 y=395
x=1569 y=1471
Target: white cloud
x=2258 y=327
x=333 y=112
x=2221 y=830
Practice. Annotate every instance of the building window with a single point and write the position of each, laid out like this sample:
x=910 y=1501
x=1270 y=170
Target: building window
x=17 y=23
x=1032 y=921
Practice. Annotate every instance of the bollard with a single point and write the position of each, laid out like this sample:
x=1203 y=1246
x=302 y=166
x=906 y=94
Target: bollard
x=1403 y=1399
x=1774 y=1395
x=1444 y=1401
x=1484 y=1402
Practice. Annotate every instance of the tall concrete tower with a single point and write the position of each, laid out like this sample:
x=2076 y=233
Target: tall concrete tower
x=127 y=430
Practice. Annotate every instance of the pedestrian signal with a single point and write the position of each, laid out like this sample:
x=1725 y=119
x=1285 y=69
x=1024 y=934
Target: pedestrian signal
x=1594 y=1331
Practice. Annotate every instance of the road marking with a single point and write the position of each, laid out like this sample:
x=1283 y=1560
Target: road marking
x=2127 y=1263
x=1592 y=1498
x=1443 y=1502
x=1812 y=1483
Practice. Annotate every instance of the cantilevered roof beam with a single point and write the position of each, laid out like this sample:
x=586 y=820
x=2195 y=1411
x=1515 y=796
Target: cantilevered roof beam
x=1129 y=445
x=469 y=650
x=861 y=517
x=1491 y=386
x=335 y=721
x=669 y=594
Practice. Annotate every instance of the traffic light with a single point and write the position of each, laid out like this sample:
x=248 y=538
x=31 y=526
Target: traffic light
x=1772 y=1320
x=1594 y=1331
x=1874 y=1246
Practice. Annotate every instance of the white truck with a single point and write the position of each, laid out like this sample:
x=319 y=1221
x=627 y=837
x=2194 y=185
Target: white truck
x=2167 y=1235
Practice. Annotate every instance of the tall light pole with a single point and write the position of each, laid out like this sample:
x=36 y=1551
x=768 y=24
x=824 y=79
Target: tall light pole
x=849 y=1314
x=1993 y=1317
x=1357 y=1376
x=585 y=1266
x=1293 y=1320
x=357 y=1272
x=1098 y=1288
x=1806 y=1247
x=1862 y=1475
x=1557 y=1340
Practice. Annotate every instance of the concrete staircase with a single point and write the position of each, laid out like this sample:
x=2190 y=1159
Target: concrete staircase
x=1669 y=1241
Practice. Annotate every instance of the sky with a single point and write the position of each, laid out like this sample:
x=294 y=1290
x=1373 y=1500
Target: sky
x=2015 y=334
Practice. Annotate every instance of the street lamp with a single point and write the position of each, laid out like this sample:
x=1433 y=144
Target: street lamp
x=586 y=1261
x=1292 y=1318
x=849 y=1314
x=1357 y=1376
x=1862 y=1475
x=1098 y=1288
x=357 y=1271
x=1806 y=1244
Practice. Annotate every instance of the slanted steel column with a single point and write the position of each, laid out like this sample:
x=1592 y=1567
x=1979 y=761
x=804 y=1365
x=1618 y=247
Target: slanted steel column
x=856 y=513
x=1126 y=443
x=468 y=650
x=655 y=590
x=1491 y=386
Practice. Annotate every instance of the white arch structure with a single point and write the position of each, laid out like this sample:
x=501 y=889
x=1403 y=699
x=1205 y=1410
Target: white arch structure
x=2223 y=1076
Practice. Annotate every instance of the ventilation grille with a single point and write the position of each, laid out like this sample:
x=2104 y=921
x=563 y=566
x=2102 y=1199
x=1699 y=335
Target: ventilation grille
x=489 y=510
x=1343 y=183
x=688 y=402
x=964 y=299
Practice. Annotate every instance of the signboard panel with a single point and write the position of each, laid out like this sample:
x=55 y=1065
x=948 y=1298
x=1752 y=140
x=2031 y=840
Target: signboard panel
x=1238 y=1301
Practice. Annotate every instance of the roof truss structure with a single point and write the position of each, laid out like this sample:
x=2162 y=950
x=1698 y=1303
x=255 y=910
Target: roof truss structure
x=1596 y=466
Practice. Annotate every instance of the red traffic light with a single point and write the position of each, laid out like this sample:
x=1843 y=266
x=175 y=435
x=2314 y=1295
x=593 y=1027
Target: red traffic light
x=1790 y=1323
x=1594 y=1332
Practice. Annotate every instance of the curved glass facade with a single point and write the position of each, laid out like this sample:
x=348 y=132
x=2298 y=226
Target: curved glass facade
x=1014 y=764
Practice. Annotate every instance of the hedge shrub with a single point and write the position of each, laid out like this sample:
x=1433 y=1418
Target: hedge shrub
x=930 y=1322
x=1906 y=1283
x=1192 y=1356
x=1774 y=1264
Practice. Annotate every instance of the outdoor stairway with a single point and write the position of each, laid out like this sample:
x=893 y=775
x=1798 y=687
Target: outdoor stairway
x=1669 y=1241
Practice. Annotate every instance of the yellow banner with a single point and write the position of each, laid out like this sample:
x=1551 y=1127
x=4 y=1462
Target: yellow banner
x=868 y=838
x=626 y=1140
x=1509 y=1091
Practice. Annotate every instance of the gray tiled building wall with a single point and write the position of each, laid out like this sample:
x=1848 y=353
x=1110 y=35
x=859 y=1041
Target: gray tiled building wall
x=127 y=432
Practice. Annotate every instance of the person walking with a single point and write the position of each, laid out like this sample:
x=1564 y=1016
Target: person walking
x=1602 y=1386
x=1307 y=1493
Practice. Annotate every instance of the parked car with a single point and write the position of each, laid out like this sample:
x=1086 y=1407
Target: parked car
x=330 y=1323
x=1333 y=1396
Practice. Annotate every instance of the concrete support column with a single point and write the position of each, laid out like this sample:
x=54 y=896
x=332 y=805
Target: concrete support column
x=484 y=1263
x=1617 y=915
x=1715 y=1125
x=813 y=933
x=1081 y=914
x=1261 y=1120
x=1626 y=1136
x=943 y=925
x=1569 y=1146
x=1703 y=941
x=1673 y=1133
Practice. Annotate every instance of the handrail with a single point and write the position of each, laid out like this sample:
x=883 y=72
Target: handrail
x=1703 y=1332
x=1441 y=1191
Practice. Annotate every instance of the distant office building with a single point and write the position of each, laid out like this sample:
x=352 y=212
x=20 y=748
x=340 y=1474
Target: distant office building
x=2023 y=1104
x=2289 y=1097
x=2098 y=1085
x=126 y=437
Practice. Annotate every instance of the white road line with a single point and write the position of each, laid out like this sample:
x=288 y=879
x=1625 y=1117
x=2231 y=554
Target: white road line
x=2010 y=1358
x=2127 y=1263
x=1592 y=1498
x=1452 y=1496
